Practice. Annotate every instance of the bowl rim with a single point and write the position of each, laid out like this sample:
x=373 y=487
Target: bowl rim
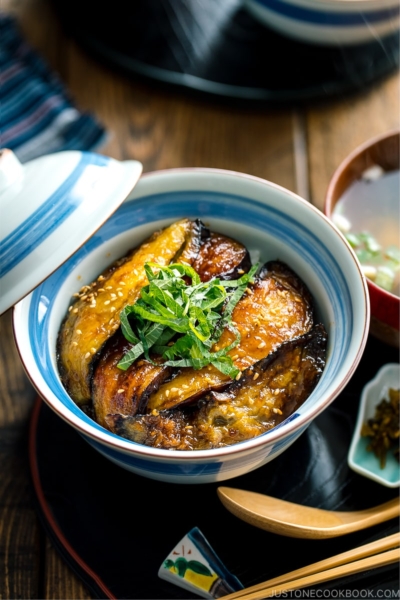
x=289 y=429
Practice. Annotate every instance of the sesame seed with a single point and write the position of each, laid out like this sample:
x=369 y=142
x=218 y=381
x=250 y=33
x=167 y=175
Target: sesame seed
x=135 y=271
x=87 y=354
x=74 y=343
x=107 y=302
x=120 y=391
x=69 y=309
x=100 y=290
x=101 y=278
x=109 y=287
x=256 y=376
x=113 y=296
x=277 y=411
x=262 y=345
x=120 y=294
x=167 y=393
x=75 y=311
x=93 y=350
x=76 y=295
x=121 y=283
x=238 y=376
x=113 y=309
x=79 y=332
x=84 y=297
x=174 y=389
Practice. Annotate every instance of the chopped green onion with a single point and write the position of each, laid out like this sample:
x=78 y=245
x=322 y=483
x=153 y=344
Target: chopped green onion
x=353 y=239
x=384 y=278
x=370 y=243
x=393 y=253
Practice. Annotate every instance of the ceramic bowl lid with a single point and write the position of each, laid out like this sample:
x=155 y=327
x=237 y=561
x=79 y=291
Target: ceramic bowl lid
x=49 y=207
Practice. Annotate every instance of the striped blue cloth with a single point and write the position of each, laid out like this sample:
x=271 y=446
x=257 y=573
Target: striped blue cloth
x=37 y=114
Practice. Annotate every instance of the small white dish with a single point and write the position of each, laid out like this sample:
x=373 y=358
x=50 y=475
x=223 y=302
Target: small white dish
x=360 y=459
x=50 y=207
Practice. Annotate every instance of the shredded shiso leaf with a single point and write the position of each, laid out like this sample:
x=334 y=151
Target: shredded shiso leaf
x=181 y=321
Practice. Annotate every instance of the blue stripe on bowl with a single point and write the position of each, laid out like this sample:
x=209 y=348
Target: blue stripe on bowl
x=175 y=205
x=47 y=218
x=154 y=467
x=183 y=469
x=331 y=18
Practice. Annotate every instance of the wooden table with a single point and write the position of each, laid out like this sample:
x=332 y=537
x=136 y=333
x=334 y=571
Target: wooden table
x=298 y=149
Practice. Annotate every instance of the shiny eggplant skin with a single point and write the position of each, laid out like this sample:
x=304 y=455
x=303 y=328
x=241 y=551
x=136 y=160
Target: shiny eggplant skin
x=266 y=394
x=277 y=307
x=223 y=257
x=127 y=392
x=94 y=317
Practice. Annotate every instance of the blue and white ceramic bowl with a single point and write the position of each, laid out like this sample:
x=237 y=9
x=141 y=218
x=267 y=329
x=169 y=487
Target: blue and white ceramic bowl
x=273 y=223
x=329 y=22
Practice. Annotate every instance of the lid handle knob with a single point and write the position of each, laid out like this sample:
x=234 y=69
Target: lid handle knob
x=10 y=168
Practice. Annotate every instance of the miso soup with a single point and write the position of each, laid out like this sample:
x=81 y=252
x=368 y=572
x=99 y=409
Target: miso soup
x=368 y=215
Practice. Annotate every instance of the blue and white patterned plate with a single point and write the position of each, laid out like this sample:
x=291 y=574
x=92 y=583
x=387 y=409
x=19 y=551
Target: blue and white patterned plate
x=329 y=22
x=49 y=207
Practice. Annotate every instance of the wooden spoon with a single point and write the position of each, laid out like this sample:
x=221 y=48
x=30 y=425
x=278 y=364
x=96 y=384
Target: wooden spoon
x=295 y=520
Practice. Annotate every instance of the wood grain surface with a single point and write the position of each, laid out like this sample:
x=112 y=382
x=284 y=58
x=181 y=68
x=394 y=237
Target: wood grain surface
x=298 y=149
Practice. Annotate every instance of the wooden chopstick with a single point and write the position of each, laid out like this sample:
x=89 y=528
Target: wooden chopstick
x=357 y=566
x=361 y=558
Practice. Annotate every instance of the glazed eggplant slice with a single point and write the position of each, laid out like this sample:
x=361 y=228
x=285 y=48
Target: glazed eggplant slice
x=277 y=307
x=124 y=392
x=223 y=257
x=94 y=317
x=266 y=394
x=127 y=392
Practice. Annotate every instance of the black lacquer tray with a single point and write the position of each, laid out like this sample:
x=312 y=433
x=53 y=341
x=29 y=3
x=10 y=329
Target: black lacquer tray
x=216 y=49
x=115 y=528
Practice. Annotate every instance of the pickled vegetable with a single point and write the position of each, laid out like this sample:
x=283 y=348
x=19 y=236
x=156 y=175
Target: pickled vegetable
x=383 y=429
